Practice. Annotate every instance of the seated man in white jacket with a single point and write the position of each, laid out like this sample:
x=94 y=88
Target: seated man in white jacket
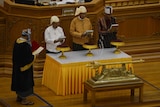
x=54 y=35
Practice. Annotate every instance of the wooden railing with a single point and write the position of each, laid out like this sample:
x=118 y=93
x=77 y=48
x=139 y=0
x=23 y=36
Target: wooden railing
x=122 y=3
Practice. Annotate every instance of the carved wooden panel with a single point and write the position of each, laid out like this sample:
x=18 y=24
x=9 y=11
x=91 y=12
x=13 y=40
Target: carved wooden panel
x=2 y=35
x=142 y=26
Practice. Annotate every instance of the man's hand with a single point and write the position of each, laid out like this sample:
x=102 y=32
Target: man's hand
x=86 y=34
x=83 y=34
x=59 y=40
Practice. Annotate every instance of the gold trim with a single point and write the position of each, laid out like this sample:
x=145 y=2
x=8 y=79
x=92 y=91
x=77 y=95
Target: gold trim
x=27 y=66
x=20 y=40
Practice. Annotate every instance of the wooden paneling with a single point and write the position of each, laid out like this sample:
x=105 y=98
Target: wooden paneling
x=2 y=35
x=121 y=3
x=16 y=24
x=136 y=18
x=42 y=11
x=138 y=27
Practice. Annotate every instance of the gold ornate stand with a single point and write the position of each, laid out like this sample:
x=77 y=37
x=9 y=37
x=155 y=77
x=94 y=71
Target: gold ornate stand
x=117 y=44
x=90 y=47
x=63 y=49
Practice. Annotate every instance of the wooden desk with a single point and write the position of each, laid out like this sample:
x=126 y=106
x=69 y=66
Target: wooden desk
x=111 y=87
x=66 y=76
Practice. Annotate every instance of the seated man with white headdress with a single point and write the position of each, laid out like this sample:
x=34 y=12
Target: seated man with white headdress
x=54 y=35
x=106 y=35
x=78 y=27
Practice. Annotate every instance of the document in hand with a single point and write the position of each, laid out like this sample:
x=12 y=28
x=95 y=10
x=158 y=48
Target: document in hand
x=89 y=31
x=62 y=38
x=38 y=50
x=114 y=27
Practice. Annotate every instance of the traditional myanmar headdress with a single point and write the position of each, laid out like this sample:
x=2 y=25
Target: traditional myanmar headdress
x=81 y=9
x=54 y=19
x=27 y=32
x=108 y=9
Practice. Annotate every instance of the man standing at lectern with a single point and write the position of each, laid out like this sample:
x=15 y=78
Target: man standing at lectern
x=104 y=28
x=78 y=27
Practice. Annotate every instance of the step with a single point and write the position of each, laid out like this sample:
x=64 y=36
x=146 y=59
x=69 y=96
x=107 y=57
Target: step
x=148 y=57
x=141 y=48
x=142 y=40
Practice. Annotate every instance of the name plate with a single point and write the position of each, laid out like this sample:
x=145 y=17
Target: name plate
x=68 y=11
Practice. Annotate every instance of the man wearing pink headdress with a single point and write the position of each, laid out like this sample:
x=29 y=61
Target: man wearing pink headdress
x=78 y=27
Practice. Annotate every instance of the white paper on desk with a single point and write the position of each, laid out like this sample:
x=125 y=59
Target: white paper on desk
x=68 y=1
x=38 y=50
x=60 y=2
